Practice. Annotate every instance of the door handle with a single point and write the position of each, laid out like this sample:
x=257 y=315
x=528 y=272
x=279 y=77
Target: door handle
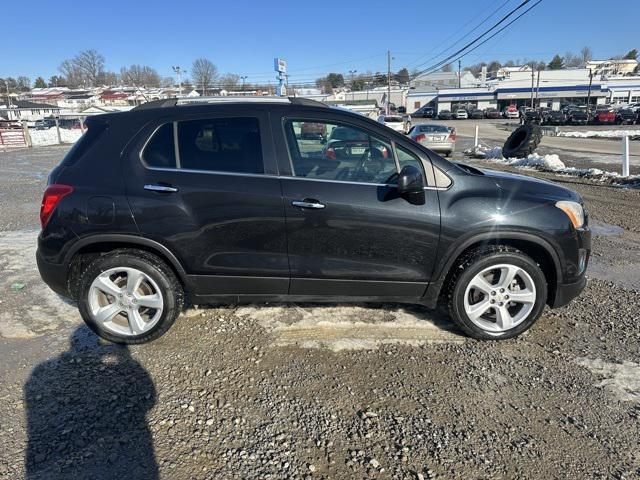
x=308 y=203
x=161 y=188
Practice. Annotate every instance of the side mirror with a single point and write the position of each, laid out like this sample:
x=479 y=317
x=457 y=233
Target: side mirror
x=411 y=185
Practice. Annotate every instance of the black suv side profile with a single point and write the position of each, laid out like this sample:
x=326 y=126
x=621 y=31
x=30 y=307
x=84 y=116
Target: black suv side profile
x=227 y=201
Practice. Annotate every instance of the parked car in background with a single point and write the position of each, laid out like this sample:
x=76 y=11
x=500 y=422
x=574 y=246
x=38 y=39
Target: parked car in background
x=424 y=112
x=10 y=125
x=556 y=117
x=45 y=124
x=603 y=114
x=511 y=112
x=578 y=117
x=313 y=131
x=439 y=138
x=399 y=123
x=626 y=116
x=445 y=115
x=476 y=114
x=195 y=207
x=461 y=114
x=493 y=113
x=533 y=116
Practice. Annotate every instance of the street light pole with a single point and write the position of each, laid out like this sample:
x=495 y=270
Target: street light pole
x=352 y=73
x=388 y=80
x=178 y=71
x=243 y=77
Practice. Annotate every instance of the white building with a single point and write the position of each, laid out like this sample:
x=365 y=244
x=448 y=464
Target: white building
x=612 y=67
x=20 y=110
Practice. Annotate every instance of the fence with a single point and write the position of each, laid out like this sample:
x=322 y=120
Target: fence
x=13 y=139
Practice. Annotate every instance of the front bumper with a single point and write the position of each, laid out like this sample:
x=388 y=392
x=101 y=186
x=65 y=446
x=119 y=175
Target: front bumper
x=568 y=291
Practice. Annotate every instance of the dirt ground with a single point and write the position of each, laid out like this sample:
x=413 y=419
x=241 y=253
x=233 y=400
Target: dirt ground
x=320 y=391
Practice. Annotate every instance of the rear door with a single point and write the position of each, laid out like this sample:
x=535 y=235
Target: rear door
x=349 y=233
x=206 y=187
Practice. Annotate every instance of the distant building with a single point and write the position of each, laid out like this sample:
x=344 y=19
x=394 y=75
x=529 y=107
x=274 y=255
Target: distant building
x=439 y=80
x=612 y=67
x=505 y=72
x=20 y=110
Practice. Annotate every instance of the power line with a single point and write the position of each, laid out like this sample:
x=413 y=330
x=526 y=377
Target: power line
x=450 y=58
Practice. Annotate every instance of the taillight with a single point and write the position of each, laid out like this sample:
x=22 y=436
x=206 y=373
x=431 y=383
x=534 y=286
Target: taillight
x=52 y=196
x=420 y=137
x=330 y=153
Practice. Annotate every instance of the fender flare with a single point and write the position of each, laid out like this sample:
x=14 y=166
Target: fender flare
x=453 y=253
x=163 y=251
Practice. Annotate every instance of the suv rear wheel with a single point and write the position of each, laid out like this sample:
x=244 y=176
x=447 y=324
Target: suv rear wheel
x=129 y=296
x=497 y=292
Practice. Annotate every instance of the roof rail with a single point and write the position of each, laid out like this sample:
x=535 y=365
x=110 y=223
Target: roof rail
x=192 y=100
x=172 y=102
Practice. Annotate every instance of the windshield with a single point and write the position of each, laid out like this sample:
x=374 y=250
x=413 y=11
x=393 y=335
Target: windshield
x=433 y=129
x=392 y=119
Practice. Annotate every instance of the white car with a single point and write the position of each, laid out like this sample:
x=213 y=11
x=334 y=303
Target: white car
x=511 y=112
x=396 y=122
x=461 y=114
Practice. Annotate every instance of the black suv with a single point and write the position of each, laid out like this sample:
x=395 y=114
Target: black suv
x=227 y=201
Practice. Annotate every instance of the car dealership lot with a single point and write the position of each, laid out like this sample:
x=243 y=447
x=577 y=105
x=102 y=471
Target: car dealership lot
x=326 y=391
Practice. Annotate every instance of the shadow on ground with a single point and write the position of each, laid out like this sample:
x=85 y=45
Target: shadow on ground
x=86 y=414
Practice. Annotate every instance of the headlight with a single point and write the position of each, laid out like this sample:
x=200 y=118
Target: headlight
x=574 y=211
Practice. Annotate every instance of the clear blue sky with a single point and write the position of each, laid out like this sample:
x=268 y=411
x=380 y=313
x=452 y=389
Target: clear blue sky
x=315 y=37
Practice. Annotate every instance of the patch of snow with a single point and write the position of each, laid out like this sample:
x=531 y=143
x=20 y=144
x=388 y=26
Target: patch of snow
x=621 y=379
x=600 y=133
x=552 y=163
x=50 y=136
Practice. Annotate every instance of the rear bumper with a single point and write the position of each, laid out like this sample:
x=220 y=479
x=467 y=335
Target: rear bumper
x=568 y=291
x=54 y=275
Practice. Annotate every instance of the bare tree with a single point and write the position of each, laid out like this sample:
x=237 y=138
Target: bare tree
x=140 y=76
x=446 y=68
x=571 y=60
x=585 y=55
x=85 y=68
x=91 y=64
x=229 y=81
x=24 y=83
x=203 y=72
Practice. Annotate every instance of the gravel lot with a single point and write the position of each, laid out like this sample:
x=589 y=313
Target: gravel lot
x=303 y=391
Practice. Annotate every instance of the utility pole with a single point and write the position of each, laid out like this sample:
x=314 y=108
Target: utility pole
x=243 y=77
x=589 y=93
x=388 y=80
x=459 y=77
x=532 y=79
x=538 y=88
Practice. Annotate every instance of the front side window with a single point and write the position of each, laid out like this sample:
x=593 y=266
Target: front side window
x=342 y=152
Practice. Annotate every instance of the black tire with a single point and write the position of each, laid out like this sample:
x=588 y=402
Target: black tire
x=151 y=265
x=522 y=142
x=474 y=262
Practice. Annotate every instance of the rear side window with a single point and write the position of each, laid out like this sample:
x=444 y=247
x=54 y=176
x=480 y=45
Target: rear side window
x=215 y=145
x=160 y=151
x=222 y=145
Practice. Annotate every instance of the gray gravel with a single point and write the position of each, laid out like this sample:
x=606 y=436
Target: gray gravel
x=222 y=396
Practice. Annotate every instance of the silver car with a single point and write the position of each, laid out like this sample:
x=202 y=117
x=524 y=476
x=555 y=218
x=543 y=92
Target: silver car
x=439 y=138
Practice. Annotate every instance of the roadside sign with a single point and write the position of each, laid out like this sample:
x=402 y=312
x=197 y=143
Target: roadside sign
x=279 y=65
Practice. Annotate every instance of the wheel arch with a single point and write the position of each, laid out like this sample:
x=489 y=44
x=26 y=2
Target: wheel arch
x=88 y=248
x=530 y=244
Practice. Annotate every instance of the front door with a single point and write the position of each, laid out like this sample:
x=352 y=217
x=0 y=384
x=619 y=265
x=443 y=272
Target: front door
x=349 y=232
x=203 y=188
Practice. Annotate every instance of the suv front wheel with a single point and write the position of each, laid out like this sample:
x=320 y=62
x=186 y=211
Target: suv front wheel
x=129 y=296
x=496 y=292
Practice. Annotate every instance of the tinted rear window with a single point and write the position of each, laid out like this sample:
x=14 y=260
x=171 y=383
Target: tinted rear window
x=434 y=129
x=89 y=137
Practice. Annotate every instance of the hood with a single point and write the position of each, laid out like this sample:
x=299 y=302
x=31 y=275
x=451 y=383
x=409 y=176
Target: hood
x=527 y=186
